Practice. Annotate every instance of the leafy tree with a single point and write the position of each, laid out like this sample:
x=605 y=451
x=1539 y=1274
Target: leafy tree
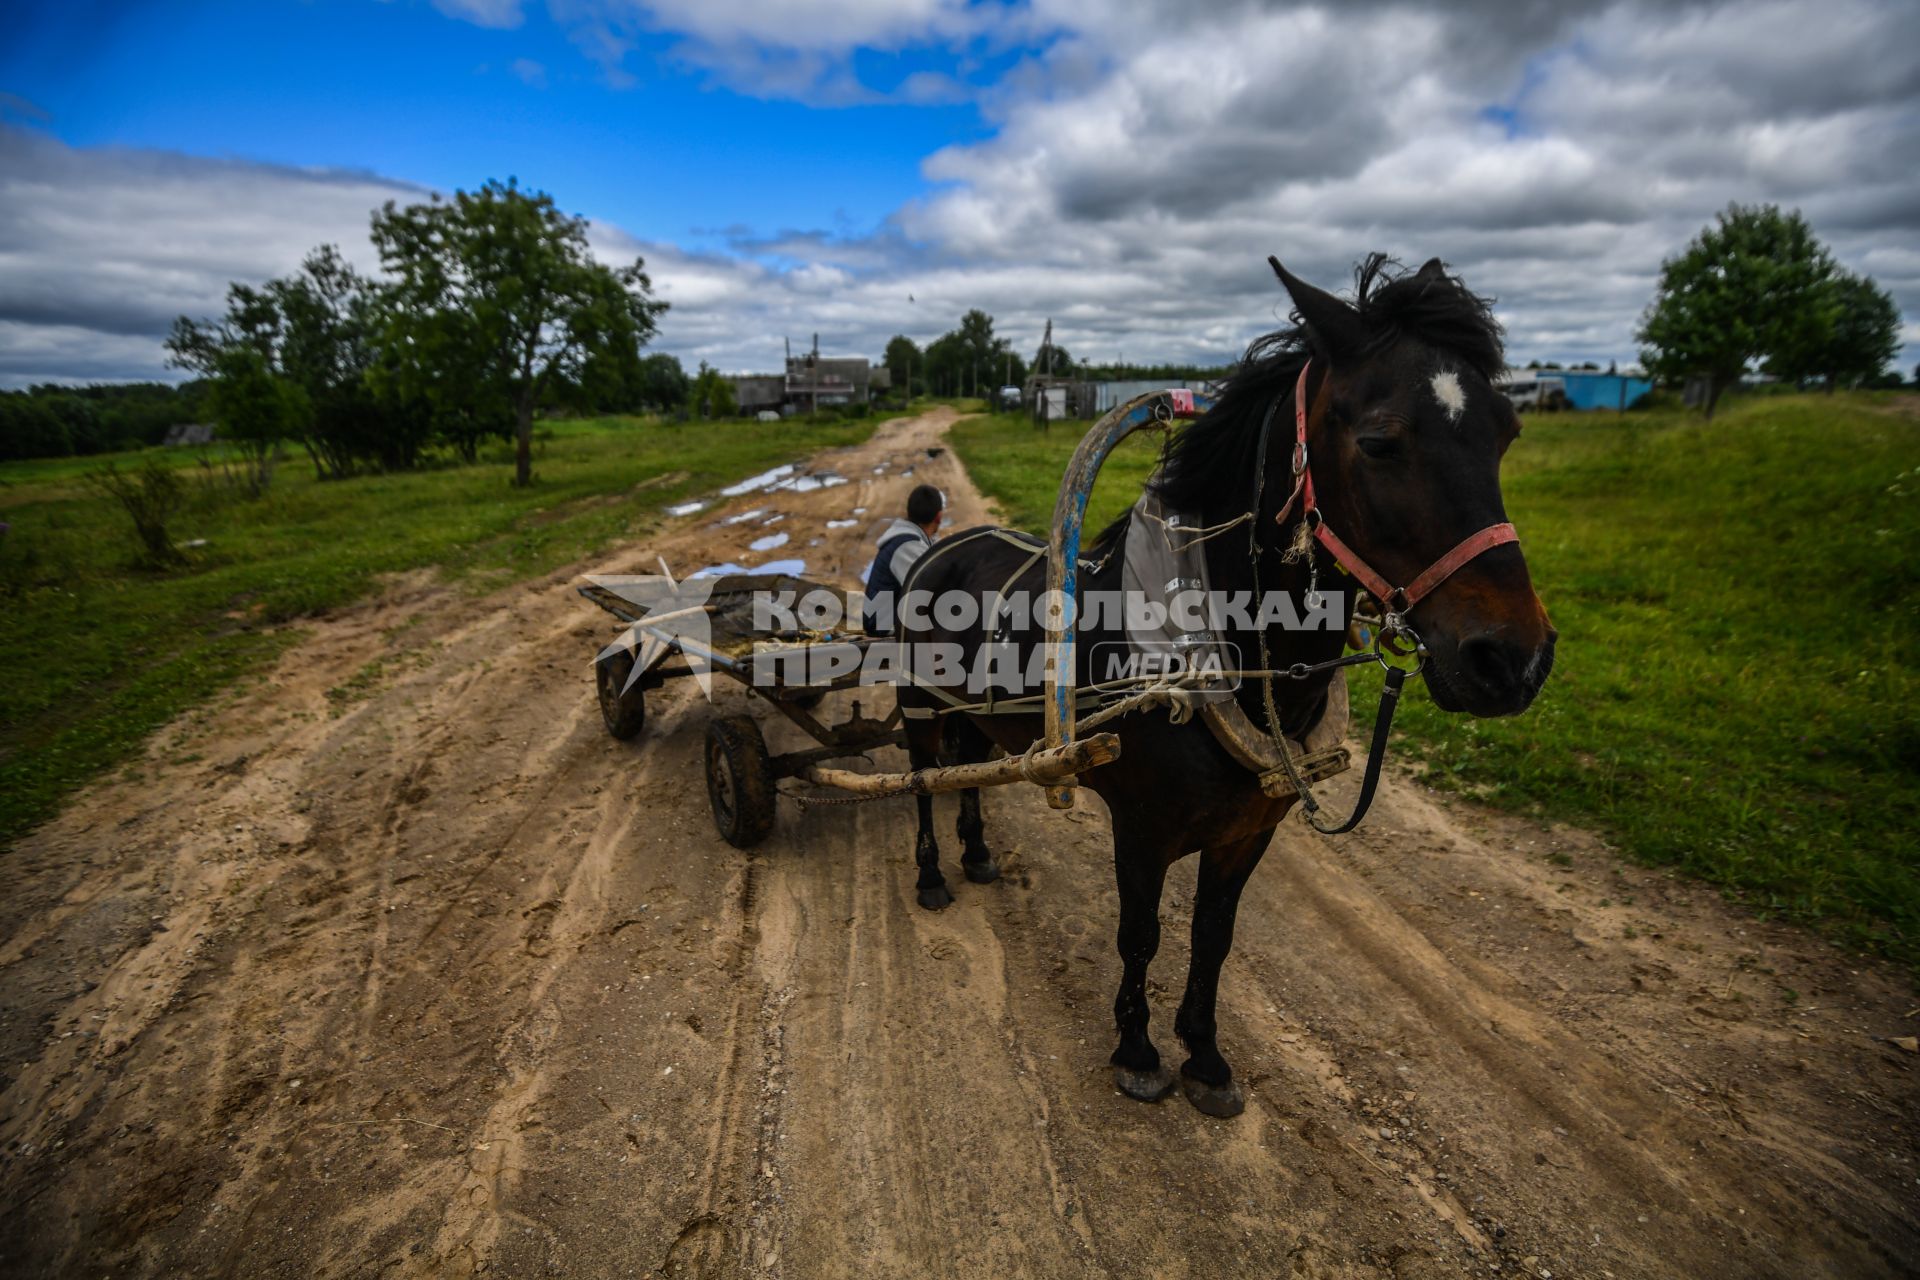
x=906 y=363
x=970 y=360
x=31 y=427
x=256 y=408
x=317 y=330
x=1062 y=360
x=1864 y=336
x=711 y=395
x=496 y=293
x=663 y=383
x=1754 y=286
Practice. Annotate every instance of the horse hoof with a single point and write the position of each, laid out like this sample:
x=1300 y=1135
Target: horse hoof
x=985 y=871
x=1143 y=1086
x=935 y=899
x=1221 y=1101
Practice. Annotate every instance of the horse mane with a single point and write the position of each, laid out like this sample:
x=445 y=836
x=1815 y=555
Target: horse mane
x=1215 y=455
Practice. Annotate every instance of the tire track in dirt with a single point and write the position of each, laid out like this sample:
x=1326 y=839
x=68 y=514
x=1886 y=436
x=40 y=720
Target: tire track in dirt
x=441 y=979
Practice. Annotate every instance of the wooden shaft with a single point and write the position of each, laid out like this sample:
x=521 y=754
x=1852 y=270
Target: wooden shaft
x=1042 y=766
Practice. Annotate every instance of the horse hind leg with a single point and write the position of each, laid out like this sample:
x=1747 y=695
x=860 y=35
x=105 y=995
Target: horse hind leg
x=968 y=745
x=923 y=752
x=1205 y=1077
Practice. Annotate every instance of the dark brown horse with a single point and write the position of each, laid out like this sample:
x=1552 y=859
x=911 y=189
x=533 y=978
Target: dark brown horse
x=1406 y=434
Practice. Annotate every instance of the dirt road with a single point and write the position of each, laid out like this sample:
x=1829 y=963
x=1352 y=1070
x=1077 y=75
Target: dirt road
x=409 y=967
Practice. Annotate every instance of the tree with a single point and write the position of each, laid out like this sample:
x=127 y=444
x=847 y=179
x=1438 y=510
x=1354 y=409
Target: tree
x=1752 y=287
x=663 y=383
x=1061 y=364
x=969 y=360
x=317 y=331
x=904 y=360
x=711 y=394
x=500 y=288
x=256 y=409
x=1864 y=336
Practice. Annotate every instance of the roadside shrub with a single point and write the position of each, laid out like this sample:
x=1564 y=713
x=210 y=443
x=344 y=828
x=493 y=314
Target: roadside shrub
x=151 y=496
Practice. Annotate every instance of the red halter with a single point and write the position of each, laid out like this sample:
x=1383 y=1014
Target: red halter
x=1420 y=588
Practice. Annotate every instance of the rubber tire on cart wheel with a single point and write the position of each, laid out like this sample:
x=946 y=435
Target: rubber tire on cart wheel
x=625 y=714
x=739 y=781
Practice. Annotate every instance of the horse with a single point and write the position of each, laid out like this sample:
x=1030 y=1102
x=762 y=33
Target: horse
x=1403 y=438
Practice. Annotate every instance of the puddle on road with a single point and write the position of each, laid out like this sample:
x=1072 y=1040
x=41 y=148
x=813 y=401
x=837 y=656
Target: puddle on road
x=765 y=479
x=686 y=508
x=768 y=543
x=841 y=524
x=809 y=483
x=745 y=516
x=775 y=518
x=772 y=567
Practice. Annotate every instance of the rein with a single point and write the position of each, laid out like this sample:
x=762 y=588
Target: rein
x=1396 y=634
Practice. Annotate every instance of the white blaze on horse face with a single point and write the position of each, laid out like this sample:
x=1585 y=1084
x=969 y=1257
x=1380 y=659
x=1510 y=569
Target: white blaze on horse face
x=1448 y=391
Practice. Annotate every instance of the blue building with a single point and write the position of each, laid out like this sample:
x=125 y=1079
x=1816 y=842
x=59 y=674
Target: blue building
x=1575 y=388
x=1591 y=389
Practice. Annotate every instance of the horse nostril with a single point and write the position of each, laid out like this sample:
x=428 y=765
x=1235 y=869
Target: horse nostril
x=1494 y=666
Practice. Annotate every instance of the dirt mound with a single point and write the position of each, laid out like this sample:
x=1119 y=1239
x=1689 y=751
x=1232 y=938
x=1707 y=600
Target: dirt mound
x=412 y=968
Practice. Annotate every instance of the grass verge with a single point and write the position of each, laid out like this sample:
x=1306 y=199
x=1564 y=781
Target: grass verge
x=1738 y=601
x=95 y=653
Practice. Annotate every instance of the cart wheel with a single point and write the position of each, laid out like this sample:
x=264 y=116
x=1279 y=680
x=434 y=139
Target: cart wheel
x=625 y=713
x=739 y=781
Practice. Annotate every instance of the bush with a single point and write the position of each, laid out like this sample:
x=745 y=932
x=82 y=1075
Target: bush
x=150 y=496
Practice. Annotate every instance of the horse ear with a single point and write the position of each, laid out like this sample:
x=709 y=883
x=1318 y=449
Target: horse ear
x=1433 y=273
x=1334 y=322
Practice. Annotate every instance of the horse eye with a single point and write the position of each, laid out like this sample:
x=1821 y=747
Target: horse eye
x=1379 y=448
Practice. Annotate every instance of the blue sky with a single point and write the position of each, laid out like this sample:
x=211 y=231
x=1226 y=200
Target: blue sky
x=403 y=90
x=858 y=168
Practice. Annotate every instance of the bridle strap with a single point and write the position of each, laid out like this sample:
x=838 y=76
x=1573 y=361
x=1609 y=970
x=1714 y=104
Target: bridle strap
x=1395 y=599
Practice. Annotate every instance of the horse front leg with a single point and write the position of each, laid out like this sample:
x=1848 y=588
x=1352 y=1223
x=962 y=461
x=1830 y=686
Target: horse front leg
x=923 y=752
x=1137 y=1071
x=970 y=746
x=1205 y=1077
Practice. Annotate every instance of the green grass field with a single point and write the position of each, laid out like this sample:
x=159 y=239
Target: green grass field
x=96 y=653
x=1735 y=692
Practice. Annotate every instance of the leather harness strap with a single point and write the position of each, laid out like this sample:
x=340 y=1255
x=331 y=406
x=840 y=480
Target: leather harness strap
x=1398 y=599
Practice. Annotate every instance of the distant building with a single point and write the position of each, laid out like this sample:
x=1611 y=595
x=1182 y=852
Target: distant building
x=758 y=392
x=816 y=380
x=811 y=382
x=189 y=433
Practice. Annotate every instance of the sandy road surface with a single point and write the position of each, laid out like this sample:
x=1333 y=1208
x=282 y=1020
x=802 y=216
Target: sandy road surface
x=433 y=976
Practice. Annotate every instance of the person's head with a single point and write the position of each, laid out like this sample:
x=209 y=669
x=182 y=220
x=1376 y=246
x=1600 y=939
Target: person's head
x=925 y=506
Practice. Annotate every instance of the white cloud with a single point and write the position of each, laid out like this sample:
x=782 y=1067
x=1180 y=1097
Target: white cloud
x=101 y=249
x=1142 y=166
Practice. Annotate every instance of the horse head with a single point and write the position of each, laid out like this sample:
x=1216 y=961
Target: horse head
x=1405 y=435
